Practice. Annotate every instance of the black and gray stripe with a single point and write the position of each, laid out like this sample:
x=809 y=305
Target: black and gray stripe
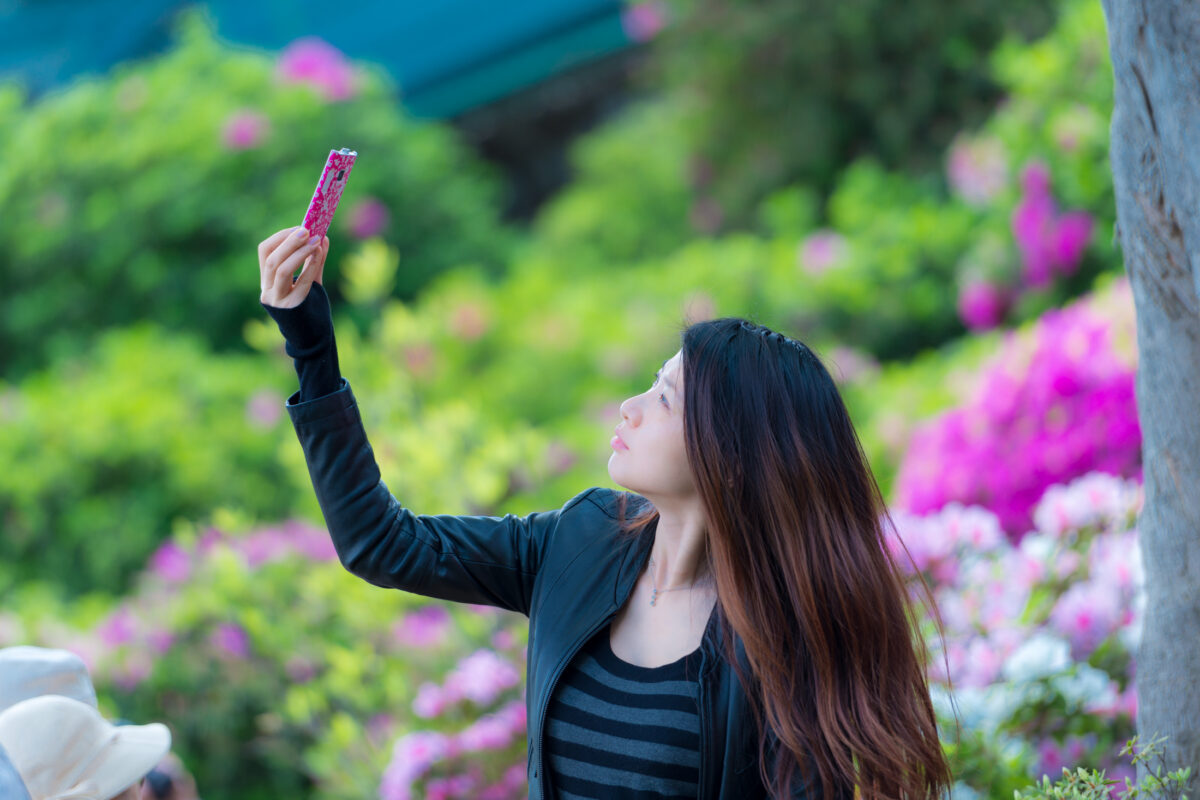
x=617 y=730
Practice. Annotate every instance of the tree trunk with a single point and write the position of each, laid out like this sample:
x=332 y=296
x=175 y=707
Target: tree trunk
x=1155 y=153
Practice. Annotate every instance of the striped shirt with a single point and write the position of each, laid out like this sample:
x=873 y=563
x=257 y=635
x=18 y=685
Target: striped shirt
x=617 y=730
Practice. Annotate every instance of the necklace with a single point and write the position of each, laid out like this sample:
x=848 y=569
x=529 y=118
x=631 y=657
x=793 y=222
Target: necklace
x=657 y=591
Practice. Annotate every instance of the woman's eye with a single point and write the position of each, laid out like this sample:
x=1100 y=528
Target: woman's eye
x=663 y=399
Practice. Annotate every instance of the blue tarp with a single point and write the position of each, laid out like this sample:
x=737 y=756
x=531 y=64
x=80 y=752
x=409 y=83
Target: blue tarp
x=448 y=56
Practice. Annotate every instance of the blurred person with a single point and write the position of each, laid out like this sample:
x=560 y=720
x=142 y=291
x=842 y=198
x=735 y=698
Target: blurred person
x=27 y=671
x=733 y=626
x=11 y=785
x=62 y=749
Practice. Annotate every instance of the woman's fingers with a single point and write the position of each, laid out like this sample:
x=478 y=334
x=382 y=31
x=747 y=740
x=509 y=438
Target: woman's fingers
x=282 y=279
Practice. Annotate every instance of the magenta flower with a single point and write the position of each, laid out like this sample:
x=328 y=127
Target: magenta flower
x=425 y=627
x=982 y=305
x=171 y=563
x=1050 y=244
x=412 y=755
x=430 y=701
x=1070 y=238
x=821 y=251
x=368 y=217
x=119 y=629
x=643 y=21
x=264 y=408
x=160 y=640
x=1050 y=407
x=1087 y=614
x=315 y=62
x=487 y=733
x=481 y=677
x=231 y=640
x=244 y=130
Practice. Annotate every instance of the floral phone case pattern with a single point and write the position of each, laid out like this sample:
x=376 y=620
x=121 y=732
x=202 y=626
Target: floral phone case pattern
x=329 y=191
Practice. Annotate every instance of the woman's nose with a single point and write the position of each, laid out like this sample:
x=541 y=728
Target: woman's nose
x=629 y=410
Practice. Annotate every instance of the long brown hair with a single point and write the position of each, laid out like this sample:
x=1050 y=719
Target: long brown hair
x=795 y=542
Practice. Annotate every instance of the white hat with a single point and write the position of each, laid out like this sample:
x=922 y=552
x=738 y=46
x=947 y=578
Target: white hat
x=27 y=672
x=64 y=750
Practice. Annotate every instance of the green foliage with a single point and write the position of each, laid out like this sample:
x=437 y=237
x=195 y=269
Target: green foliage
x=279 y=673
x=790 y=90
x=1089 y=784
x=102 y=454
x=628 y=199
x=128 y=199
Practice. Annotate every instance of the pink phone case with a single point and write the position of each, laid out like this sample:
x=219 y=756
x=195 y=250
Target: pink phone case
x=329 y=191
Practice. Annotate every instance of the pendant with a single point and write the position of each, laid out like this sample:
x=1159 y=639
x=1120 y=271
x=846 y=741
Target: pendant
x=654 y=597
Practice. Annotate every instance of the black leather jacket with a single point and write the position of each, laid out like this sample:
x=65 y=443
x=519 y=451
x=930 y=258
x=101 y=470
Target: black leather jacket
x=560 y=568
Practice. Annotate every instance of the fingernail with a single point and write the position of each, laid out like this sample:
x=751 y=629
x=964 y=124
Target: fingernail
x=301 y=232
x=314 y=239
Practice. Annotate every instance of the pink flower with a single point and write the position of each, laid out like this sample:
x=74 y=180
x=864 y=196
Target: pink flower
x=315 y=62
x=821 y=251
x=481 y=677
x=426 y=627
x=171 y=563
x=487 y=733
x=119 y=629
x=469 y=321
x=1070 y=238
x=244 y=129
x=1050 y=244
x=231 y=640
x=643 y=21
x=160 y=640
x=977 y=169
x=981 y=305
x=412 y=755
x=264 y=408
x=430 y=701
x=1087 y=614
x=368 y=217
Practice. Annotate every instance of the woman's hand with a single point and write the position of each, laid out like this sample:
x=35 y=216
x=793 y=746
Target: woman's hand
x=279 y=256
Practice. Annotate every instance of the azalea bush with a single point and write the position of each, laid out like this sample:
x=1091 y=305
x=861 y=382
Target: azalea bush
x=145 y=192
x=1054 y=403
x=789 y=91
x=101 y=456
x=282 y=675
x=1036 y=662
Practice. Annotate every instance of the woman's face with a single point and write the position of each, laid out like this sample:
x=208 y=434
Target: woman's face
x=648 y=451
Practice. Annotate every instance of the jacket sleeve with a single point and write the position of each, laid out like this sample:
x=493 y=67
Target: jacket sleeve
x=468 y=559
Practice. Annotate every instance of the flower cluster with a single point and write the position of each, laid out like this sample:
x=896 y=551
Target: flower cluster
x=1050 y=243
x=1046 y=625
x=1053 y=405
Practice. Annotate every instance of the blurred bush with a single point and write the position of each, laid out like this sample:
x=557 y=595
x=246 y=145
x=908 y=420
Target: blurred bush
x=282 y=675
x=144 y=193
x=100 y=455
x=785 y=91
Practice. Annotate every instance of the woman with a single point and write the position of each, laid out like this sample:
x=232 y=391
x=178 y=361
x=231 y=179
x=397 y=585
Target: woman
x=733 y=627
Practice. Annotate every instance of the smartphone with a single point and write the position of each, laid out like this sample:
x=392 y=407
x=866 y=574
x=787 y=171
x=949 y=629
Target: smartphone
x=329 y=191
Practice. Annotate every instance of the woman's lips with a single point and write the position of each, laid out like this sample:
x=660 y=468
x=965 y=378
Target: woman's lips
x=617 y=444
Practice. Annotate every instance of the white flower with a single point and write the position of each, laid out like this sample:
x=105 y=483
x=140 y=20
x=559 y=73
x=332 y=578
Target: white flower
x=1085 y=684
x=1043 y=655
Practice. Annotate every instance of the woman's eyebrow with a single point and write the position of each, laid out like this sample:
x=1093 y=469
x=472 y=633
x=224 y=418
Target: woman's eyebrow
x=670 y=385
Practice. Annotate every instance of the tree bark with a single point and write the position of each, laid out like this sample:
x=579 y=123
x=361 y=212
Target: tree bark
x=1155 y=155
